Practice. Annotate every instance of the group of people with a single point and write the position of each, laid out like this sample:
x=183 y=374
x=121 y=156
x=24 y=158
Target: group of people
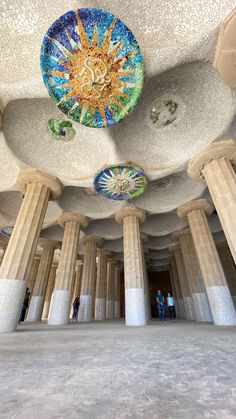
x=164 y=303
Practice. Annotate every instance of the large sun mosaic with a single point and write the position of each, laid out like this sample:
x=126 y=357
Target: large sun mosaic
x=121 y=182
x=92 y=67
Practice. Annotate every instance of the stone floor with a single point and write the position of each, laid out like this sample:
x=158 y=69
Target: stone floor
x=107 y=370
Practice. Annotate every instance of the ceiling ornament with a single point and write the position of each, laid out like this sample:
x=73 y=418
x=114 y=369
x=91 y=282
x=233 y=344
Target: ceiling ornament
x=61 y=129
x=92 y=67
x=122 y=182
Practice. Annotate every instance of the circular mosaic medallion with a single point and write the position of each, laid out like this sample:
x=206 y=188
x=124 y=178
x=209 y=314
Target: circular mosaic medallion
x=120 y=182
x=61 y=130
x=166 y=111
x=92 y=67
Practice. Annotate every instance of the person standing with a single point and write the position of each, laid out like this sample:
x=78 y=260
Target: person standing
x=25 y=305
x=171 y=306
x=76 y=304
x=160 y=299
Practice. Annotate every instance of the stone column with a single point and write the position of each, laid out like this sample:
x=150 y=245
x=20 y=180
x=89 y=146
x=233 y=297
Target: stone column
x=144 y=238
x=184 y=284
x=88 y=278
x=117 y=290
x=174 y=292
x=33 y=273
x=101 y=286
x=37 y=300
x=220 y=300
x=38 y=187
x=60 y=306
x=110 y=289
x=76 y=283
x=200 y=300
x=49 y=290
x=214 y=165
x=229 y=268
x=182 y=313
x=135 y=308
x=3 y=247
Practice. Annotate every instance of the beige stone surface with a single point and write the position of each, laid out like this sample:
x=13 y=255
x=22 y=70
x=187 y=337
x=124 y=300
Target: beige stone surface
x=45 y=263
x=49 y=290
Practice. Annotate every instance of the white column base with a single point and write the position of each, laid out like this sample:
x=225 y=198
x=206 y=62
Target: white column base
x=100 y=309
x=59 y=308
x=182 y=313
x=117 y=309
x=135 y=311
x=188 y=304
x=109 y=309
x=46 y=309
x=35 y=309
x=222 y=306
x=201 y=307
x=12 y=292
x=85 y=308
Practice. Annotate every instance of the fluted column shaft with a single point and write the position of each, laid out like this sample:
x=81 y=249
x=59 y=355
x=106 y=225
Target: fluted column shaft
x=37 y=301
x=117 y=291
x=199 y=297
x=38 y=187
x=184 y=285
x=229 y=268
x=182 y=313
x=88 y=280
x=110 y=289
x=78 y=280
x=49 y=291
x=101 y=287
x=222 y=307
x=33 y=274
x=174 y=292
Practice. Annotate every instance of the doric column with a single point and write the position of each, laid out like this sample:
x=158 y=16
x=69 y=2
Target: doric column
x=38 y=187
x=184 y=284
x=220 y=300
x=37 y=300
x=49 y=290
x=88 y=277
x=101 y=285
x=174 y=292
x=181 y=307
x=78 y=279
x=229 y=268
x=214 y=165
x=135 y=308
x=61 y=298
x=200 y=300
x=33 y=273
x=110 y=289
x=117 y=290
x=144 y=238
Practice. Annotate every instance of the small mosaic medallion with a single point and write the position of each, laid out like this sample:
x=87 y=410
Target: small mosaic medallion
x=164 y=113
x=164 y=183
x=92 y=67
x=61 y=130
x=121 y=182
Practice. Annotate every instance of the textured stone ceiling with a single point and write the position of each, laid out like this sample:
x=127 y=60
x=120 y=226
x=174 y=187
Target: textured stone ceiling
x=178 y=41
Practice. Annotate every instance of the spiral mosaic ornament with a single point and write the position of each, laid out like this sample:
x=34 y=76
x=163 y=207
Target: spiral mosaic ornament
x=92 y=67
x=61 y=130
x=120 y=182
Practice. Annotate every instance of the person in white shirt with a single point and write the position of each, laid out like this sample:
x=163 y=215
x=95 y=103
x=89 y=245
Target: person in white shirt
x=171 y=306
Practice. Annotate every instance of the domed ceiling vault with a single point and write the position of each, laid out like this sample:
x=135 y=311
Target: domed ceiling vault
x=182 y=93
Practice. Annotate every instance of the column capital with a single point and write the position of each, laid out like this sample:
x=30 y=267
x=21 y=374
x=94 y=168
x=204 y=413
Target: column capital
x=222 y=149
x=54 y=243
x=105 y=252
x=79 y=263
x=130 y=211
x=73 y=216
x=97 y=239
x=196 y=204
x=28 y=176
x=180 y=233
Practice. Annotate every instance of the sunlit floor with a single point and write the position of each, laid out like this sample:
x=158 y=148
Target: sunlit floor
x=107 y=370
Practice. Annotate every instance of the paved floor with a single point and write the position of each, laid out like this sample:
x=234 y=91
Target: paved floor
x=106 y=370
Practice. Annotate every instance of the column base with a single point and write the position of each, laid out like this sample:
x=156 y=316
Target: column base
x=222 y=306
x=182 y=313
x=59 y=308
x=135 y=311
x=12 y=292
x=117 y=309
x=85 y=308
x=188 y=304
x=109 y=309
x=46 y=309
x=35 y=309
x=100 y=309
x=201 y=307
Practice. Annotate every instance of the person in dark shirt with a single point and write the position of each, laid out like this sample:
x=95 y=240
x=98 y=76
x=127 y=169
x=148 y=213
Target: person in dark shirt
x=76 y=304
x=25 y=305
x=160 y=299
